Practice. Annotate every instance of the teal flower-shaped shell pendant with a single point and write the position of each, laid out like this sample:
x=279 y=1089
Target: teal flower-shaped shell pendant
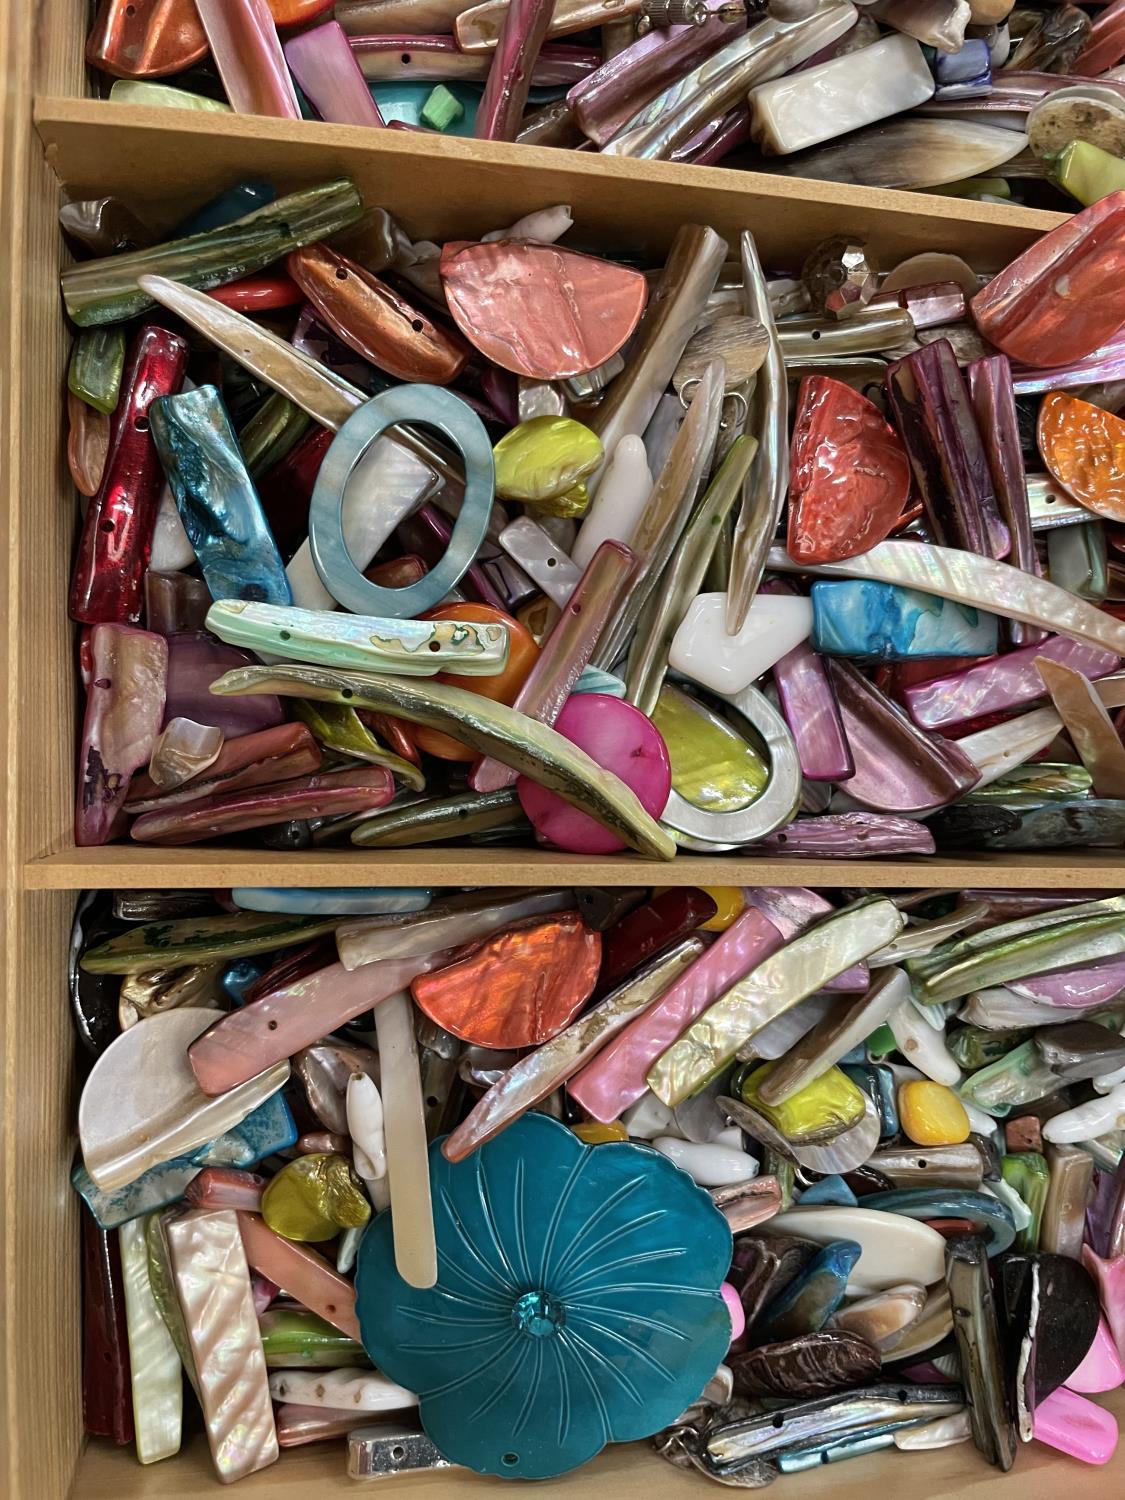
x=577 y=1301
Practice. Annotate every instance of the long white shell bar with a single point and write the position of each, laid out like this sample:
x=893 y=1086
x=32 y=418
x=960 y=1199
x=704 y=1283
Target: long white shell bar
x=408 y=1161
x=154 y=1365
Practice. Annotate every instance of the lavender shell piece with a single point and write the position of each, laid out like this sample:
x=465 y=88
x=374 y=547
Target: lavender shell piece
x=951 y=470
x=1002 y=683
x=855 y=835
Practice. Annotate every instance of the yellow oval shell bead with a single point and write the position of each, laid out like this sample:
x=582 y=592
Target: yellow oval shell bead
x=728 y=898
x=595 y=1134
x=932 y=1115
x=820 y=1111
x=314 y=1197
x=543 y=460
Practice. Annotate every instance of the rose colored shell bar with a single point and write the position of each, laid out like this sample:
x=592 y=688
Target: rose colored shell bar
x=549 y=1066
x=994 y=402
x=324 y=65
x=854 y=835
x=811 y=711
x=249 y=1040
x=226 y=1187
x=249 y=58
x=437 y=59
x=606 y=101
x=301 y=1272
x=791 y=909
x=212 y=1285
x=1001 y=683
x=617 y=1076
x=522 y=34
x=318 y=796
x=271 y=755
x=566 y=650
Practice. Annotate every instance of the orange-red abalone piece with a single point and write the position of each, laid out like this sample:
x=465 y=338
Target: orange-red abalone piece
x=1083 y=447
x=1065 y=295
x=517 y=988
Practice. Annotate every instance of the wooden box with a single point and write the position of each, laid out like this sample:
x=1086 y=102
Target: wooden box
x=165 y=162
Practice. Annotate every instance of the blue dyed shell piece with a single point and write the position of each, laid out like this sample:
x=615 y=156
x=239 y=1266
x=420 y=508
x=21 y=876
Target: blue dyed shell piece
x=883 y=622
x=577 y=1301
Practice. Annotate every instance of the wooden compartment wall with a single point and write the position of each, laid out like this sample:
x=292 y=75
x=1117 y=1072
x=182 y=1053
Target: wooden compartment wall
x=166 y=161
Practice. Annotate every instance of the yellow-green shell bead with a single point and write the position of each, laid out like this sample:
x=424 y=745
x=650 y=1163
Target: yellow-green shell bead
x=543 y=459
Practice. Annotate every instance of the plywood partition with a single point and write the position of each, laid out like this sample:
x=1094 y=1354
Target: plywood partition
x=442 y=187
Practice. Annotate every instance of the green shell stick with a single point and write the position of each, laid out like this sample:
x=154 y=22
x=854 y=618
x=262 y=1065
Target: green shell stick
x=97 y=363
x=489 y=728
x=1030 y=945
x=106 y=290
x=157 y=945
x=435 y=819
x=339 y=728
x=669 y=601
x=272 y=432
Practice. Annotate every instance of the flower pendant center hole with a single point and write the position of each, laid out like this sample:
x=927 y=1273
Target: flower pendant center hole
x=538 y=1314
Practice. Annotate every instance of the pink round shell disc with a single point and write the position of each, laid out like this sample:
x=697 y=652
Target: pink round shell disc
x=538 y=310
x=622 y=740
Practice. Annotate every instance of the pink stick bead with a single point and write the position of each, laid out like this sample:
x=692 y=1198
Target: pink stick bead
x=249 y=58
x=226 y=1187
x=323 y=63
x=617 y=1076
x=301 y=1272
x=247 y=1041
x=522 y=34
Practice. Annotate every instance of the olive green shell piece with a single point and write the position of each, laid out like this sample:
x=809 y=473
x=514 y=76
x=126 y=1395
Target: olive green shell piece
x=432 y=820
x=155 y=945
x=339 y=728
x=314 y=1197
x=106 y=290
x=97 y=363
x=531 y=748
